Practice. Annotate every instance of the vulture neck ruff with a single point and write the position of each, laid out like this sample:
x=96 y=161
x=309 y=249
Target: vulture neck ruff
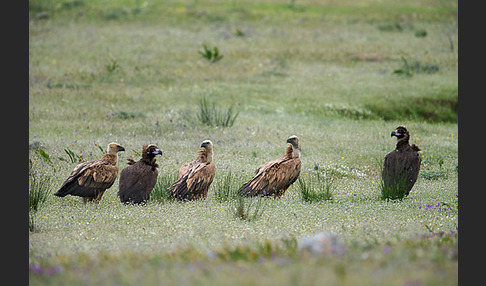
x=292 y=151
x=110 y=158
x=295 y=152
x=402 y=143
x=205 y=155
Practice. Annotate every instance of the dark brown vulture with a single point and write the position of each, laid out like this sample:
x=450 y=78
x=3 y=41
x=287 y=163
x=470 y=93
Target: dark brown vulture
x=275 y=177
x=402 y=165
x=90 y=180
x=195 y=177
x=138 y=179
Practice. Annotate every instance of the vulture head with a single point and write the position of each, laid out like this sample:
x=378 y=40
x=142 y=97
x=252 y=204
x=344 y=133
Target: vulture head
x=114 y=148
x=149 y=151
x=207 y=146
x=294 y=141
x=400 y=132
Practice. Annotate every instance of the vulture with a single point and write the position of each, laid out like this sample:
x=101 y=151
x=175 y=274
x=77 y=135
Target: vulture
x=90 y=180
x=138 y=179
x=402 y=165
x=275 y=177
x=195 y=177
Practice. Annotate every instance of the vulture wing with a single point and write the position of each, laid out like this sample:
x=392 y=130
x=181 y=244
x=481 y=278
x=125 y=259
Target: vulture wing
x=185 y=168
x=412 y=168
x=401 y=167
x=88 y=179
x=195 y=183
x=136 y=182
x=273 y=178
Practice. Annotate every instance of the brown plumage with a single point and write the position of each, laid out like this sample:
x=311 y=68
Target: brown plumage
x=402 y=165
x=195 y=177
x=90 y=180
x=138 y=179
x=275 y=177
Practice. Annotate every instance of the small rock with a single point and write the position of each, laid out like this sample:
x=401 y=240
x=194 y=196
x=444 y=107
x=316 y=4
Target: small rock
x=321 y=244
x=42 y=15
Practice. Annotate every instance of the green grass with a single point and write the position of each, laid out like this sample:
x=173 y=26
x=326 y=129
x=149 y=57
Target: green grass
x=248 y=209
x=316 y=187
x=225 y=187
x=396 y=191
x=129 y=71
x=162 y=191
x=212 y=55
x=212 y=115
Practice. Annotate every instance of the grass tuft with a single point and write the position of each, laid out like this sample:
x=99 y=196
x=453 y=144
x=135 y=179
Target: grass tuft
x=162 y=192
x=433 y=174
x=248 y=209
x=39 y=189
x=212 y=55
x=73 y=157
x=409 y=69
x=396 y=191
x=128 y=114
x=211 y=115
x=316 y=187
x=225 y=189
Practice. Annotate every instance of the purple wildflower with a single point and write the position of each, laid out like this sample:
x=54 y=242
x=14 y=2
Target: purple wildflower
x=36 y=268
x=387 y=249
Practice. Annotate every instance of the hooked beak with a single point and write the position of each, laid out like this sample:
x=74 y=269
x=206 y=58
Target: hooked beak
x=120 y=148
x=157 y=152
x=395 y=133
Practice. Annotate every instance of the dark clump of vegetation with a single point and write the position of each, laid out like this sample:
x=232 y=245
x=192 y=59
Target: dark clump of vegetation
x=317 y=187
x=271 y=250
x=73 y=157
x=439 y=107
x=112 y=65
x=211 y=115
x=421 y=33
x=225 y=189
x=433 y=174
x=39 y=191
x=415 y=67
x=40 y=186
x=212 y=55
x=68 y=85
x=248 y=209
x=127 y=114
x=393 y=27
x=162 y=191
x=395 y=191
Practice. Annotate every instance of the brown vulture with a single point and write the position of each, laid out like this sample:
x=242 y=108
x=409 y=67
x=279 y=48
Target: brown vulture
x=195 y=177
x=138 y=179
x=275 y=177
x=402 y=165
x=90 y=180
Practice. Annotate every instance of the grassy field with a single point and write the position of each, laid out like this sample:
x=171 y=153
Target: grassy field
x=338 y=74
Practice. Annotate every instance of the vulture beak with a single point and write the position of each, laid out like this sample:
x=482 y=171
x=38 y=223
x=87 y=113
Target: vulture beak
x=289 y=141
x=120 y=148
x=157 y=152
x=395 y=133
x=204 y=144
